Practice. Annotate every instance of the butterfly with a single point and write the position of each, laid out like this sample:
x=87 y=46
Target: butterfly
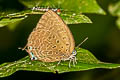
x=51 y=40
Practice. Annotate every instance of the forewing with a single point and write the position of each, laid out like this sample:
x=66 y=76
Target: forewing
x=51 y=39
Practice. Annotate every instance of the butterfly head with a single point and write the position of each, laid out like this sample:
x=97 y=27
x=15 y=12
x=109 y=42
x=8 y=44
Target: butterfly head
x=74 y=52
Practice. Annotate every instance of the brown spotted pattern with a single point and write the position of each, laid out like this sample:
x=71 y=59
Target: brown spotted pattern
x=51 y=40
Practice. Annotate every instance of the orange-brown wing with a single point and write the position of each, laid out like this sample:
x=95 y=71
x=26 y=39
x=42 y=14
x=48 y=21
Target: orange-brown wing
x=51 y=39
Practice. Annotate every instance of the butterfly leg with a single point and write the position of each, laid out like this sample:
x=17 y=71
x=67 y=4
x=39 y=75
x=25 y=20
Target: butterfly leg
x=73 y=57
x=74 y=61
x=70 y=62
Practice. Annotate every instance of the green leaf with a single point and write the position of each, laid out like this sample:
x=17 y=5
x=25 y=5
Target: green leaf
x=70 y=13
x=69 y=18
x=75 y=18
x=11 y=18
x=6 y=12
x=114 y=9
x=118 y=22
x=7 y=21
x=76 y=6
x=85 y=61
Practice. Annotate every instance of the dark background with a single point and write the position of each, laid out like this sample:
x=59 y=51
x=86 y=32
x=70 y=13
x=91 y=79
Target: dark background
x=103 y=42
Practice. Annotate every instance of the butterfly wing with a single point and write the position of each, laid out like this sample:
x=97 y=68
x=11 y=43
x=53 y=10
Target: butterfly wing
x=51 y=40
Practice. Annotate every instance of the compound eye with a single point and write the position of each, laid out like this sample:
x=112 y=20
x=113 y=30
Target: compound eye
x=74 y=52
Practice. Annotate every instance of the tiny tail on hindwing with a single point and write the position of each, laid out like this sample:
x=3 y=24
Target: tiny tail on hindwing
x=22 y=48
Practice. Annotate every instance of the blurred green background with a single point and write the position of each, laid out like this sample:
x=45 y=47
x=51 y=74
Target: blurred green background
x=103 y=42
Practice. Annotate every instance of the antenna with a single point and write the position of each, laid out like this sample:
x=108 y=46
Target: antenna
x=82 y=42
